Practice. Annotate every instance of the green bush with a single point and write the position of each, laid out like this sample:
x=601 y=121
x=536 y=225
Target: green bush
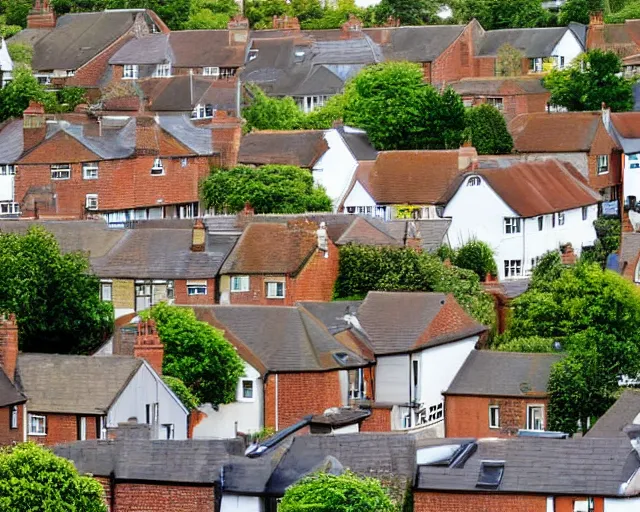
x=487 y=130
x=477 y=256
x=527 y=344
x=188 y=399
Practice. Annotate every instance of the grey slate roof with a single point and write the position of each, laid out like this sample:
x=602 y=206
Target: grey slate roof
x=358 y=143
x=57 y=383
x=340 y=417
x=587 y=466
x=113 y=144
x=79 y=37
x=284 y=339
x=416 y=44
x=629 y=250
x=11 y=141
x=625 y=411
x=9 y=394
x=164 y=254
x=195 y=138
x=152 y=49
x=332 y=314
x=29 y=36
x=488 y=86
x=431 y=232
x=492 y=373
x=532 y=42
x=186 y=461
x=183 y=93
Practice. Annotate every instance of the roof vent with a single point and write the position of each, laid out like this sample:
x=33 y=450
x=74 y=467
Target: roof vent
x=491 y=472
x=341 y=357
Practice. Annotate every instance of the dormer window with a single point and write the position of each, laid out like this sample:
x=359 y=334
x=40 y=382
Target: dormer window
x=253 y=54
x=162 y=70
x=203 y=112
x=158 y=167
x=603 y=164
x=130 y=72
x=474 y=181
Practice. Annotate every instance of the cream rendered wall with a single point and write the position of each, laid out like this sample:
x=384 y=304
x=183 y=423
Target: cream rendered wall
x=621 y=505
x=359 y=197
x=568 y=47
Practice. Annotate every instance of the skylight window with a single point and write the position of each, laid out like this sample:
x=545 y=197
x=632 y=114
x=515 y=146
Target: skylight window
x=491 y=472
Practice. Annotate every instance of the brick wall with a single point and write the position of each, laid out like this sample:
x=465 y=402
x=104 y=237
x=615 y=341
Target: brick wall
x=468 y=416
x=294 y=398
x=90 y=74
x=10 y=435
x=484 y=66
x=566 y=503
x=603 y=144
x=476 y=502
x=135 y=497
x=63 y=428
x=379 y=421
x=456 y=61
x=181 y=297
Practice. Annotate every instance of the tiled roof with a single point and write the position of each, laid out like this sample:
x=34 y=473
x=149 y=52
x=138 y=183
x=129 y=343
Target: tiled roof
x=363 y=231
x=271 y=248
x=432 y=233
x=11 y=141
x=182 y=93
x=29 y=36
x=575 y=467
x=427 y=320
x=151 y=49
x=164 y=254
x=79 y=37
x=627 y=124
x=358 y=143
x=492 y=373
x=300 y=148
x=510 y=289
x=332 y=314
x=73 y=384
x=532 y=42
x=196 y=138
x=415 y=44
x=285 y=339
x=629 y=253
x=538 y=132
x=623 y=38
x=9 y=394
x=497 y=86
x=625 y=411
x=538 y=188
x=409 y=177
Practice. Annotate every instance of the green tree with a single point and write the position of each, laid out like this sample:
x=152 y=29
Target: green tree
x=408 y=12
x=204 y=19
x=20 y=53
x=547 y=270
x=348 y=492
x=15 y=96
x=608 y=231
x=197 y=353
x=33 y=478
x=69 y=98
x=323 y=118
x=399 y=111
x=477 y=256
x=574 y=11
x=487 y=130
x=592 y=79
x=261 y=12
x=55 y=298
x=269 y=189
x=16 y=12
x=630 y=11
x=496 y=14
x=509 y=61
x=265 y=113
x=7 y=31
x=528 y=344
x=173 y=12
x=189 y=400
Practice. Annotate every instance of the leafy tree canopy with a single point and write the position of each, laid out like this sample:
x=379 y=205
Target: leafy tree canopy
x=399 y=111
x=608 y=231
x=197 y=354
x=364 y=268
x=20 y=53
x=55 y=298
x=210 y=14
x=477 y=256
x=593 y=78
x=630 y=11
x=496 y=14
x=348 y=492
x=33 y=478
x=189 y=400
x=509 y=61
x=269 y=189
x=528 y=344
x=574 y=10
x=408 y=12
x=487 y=130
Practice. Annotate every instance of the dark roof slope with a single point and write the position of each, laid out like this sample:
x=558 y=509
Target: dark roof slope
x=300 y=148
x=629 y=252
x=491 y=373
x=431 y=233
x=625 y=411
x=576 y=467
x=282 y=338
x=11 y=141
x=182 y=93
x=57 y=383
x=532 y=42
x=358 y=143
x=538 y=188
x=200 y=48
x=9 y=393
x=398 y=322
x=152 y=49
x=415 y=44
x=498 y=85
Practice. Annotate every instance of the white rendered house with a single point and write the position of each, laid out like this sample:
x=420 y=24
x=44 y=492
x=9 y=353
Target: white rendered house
x=522 y=212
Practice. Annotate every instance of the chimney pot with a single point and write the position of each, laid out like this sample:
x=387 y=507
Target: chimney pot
x=148 y=345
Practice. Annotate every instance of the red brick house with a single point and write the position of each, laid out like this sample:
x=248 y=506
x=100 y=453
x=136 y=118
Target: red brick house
x=75 y=49
x=512 y=96
x=280 y=264
x=621 y=38
x=11 y=399
x=497 y=394
x=123 y=168
x=585 y=143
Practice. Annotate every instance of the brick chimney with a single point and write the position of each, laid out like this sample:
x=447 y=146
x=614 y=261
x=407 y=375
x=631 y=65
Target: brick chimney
x=226 y=133
x=148 y=345
x=596 y=19
x=353 y=24
x=146 y=140
x=286 y=23
x=34 y=125
x=198 y=236
x=41 y=15
x=568 y=256
x=467 y=158
x=9 y=345
x=238 y=29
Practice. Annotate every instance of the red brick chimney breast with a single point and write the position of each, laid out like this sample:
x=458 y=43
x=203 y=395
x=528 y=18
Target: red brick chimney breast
x=148 y=345
x=9 y=345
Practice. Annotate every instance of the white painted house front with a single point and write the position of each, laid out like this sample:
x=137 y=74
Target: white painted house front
x=522 y=212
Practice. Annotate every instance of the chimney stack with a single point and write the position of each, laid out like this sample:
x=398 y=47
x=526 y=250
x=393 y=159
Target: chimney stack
x=353 y=24
x=146 y=142
x=198 y=236
x=238 y=28
x=34 y=125
x=596 y=19
x=41 y=15
x=148 y=345
x=226 y=133
x=286 y=23
x=467 y=158
x=9 y=345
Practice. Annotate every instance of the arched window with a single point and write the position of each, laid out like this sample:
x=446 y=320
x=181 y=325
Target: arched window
x=474 y=181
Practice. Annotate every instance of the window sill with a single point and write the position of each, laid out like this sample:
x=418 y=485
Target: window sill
x=246 y=400
x=494 y=428
x=38 y=435
x=60 y=179
x=271 y=297
x=86 y=178
x=157 y=173
x=239 y=291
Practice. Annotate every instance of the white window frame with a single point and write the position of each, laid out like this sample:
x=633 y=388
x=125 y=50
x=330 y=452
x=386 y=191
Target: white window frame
x=196 y=288
x=540 y=222
x=474 y=181
x=90 y=171
x=169 y=431
x=13 y=417
x=357 y=388
x=30 y=425
x=103 y=426
x=157 y=166
x=162 y=70
x=9 y=208
x=91 y=202
x=106 y=285
x=272 y=289
x=205 y=111
x=561 y=218
x=130 y=72
x=530 y=407
x=494 y=424
x=60 y=171
x=585 y=212
x=512 y=225
x=240 y=284
x=7 y=170
x=82 y=428
x=603 y=164
x=512 y=268
x=241 y=397
x=496 y=101
x=211 y=71
x=637 y=273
